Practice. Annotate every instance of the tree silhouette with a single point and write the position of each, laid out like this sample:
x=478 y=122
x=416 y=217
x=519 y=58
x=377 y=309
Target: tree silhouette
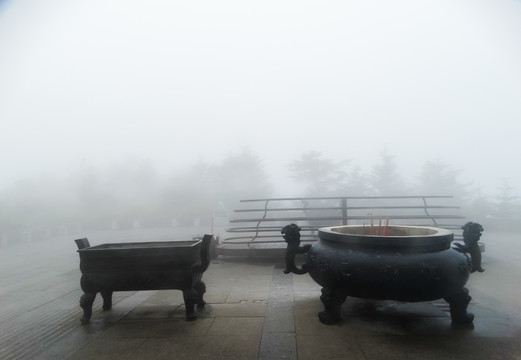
x=190 y=193
x=240 y=176
x=506 y=206
x=321 y=176
x=479 y=208
x=357 y=183
x=385 y=179
x=94 y=199
x=439 y=178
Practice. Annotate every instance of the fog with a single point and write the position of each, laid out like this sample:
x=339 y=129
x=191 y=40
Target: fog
x=112 y=108
x=131 y=121
x=86 y=82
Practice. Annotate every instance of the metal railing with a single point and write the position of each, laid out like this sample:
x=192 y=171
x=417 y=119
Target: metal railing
x=261 y=220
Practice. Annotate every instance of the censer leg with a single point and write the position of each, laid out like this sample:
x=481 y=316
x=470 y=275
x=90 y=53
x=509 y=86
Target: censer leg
x=332 y=300
x=200 y=288
x=86 y=301
x=458 y=306
x=107 y=300
x=190 y=298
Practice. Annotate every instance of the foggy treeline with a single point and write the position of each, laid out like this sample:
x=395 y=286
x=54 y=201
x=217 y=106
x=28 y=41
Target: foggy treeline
x=132 y=191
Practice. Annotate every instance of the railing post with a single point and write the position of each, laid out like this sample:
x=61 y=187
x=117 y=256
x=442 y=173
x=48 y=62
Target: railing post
x=344 y=211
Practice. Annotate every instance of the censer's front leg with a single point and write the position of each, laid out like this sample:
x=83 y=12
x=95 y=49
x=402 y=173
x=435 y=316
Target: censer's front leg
x=86 y=301
x=332 y=300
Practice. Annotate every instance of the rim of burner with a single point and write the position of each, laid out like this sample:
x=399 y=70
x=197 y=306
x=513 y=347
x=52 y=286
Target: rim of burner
x=434 y=239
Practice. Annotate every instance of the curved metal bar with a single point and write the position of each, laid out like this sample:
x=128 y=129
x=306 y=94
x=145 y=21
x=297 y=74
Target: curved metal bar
x=427 y=212
x=260 y=221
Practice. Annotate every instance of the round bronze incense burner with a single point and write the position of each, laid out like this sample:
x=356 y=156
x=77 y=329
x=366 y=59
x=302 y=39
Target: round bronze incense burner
x=403 y=263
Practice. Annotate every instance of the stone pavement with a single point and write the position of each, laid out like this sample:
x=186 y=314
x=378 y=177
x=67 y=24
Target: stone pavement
x=254 y=311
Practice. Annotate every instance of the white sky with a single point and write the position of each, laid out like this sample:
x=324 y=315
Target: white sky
x=174 y=81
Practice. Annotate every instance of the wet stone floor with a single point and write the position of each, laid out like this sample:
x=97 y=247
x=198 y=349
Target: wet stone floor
x=253 y=311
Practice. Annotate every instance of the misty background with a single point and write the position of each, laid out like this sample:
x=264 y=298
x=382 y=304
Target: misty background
x=168 y=113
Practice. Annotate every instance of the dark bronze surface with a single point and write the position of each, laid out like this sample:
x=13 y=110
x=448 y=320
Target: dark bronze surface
x=471 y=235
x=410 y=264
x=143 y=266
